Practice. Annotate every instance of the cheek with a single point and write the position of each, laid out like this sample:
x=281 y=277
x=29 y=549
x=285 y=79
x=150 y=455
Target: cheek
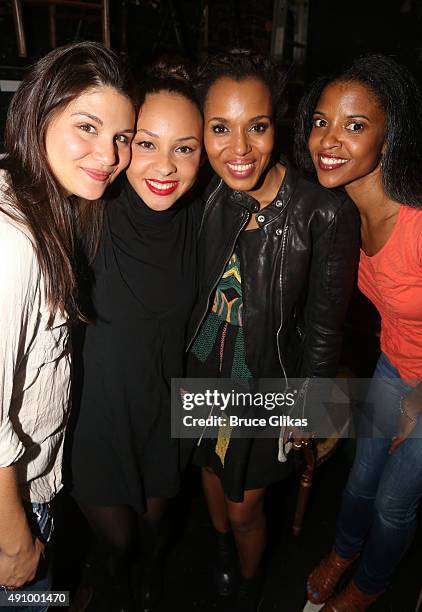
x=312 y=142
x=124 y=156
x=213 y=146
x=139 y=163
x=190 y=168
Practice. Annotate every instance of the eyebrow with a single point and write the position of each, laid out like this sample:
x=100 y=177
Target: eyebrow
x=100 y=122
x=182 y=139
x=223 y=119
x=357 y=116
x=92 y=117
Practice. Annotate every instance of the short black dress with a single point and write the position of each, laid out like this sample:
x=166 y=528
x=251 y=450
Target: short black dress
x=144 y=290
x=219 y=351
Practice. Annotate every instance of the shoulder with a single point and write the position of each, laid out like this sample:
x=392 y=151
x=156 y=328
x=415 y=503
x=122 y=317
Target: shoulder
x=16 y=246
x=411 y=227
x=308 y=189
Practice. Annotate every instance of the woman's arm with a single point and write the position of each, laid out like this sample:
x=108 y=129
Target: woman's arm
x=19 y=550
x=19 y=275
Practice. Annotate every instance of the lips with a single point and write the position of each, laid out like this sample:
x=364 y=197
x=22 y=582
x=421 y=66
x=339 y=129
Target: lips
x=241 y=168
x=331 y=162
x=97 y=175
x=161 y=188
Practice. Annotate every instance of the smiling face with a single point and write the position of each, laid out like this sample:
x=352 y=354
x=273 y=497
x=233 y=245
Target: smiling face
x=88 y=142
x=166 y=150
x=239 y=131
x=346 y=141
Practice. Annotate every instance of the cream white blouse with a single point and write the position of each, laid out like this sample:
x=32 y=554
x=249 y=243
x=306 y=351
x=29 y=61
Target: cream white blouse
x=34 y=367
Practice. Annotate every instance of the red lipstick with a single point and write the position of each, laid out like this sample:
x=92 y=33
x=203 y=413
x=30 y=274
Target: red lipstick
x=161 y=188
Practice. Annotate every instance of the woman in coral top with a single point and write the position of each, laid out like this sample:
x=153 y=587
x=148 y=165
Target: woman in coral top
x=362 y=130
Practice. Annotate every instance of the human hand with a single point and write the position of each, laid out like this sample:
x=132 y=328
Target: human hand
x=19 y=568
x=411 y=407
x=297 y=437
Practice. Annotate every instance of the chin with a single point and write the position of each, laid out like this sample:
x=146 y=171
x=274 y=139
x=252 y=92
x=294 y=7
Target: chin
x=247 y=184
x=329 y=181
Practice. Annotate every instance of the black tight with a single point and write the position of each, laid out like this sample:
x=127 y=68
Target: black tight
x=123 y=538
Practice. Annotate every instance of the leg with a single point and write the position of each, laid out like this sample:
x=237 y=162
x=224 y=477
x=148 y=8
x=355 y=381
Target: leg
x=248 y=523
x=114 y=529
x=216 y=500
x=225 y=556
x=394 y=521
x=358 y=501
x=152 y=537
x=359 y=496
x=382 y=407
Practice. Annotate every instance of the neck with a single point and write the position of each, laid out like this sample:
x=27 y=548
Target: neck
x=268 y=190
x=369 y=196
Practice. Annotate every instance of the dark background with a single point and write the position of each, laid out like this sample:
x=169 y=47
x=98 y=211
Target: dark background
x=338 y=30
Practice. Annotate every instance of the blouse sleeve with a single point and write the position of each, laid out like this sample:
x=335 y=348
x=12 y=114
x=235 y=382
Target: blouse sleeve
x=19 y=275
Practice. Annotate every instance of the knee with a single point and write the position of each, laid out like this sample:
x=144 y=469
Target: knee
x=244 y=519
x=395 y=512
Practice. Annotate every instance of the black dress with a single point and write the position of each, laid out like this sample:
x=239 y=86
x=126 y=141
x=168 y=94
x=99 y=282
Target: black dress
x=219 y=351
x=145 y=284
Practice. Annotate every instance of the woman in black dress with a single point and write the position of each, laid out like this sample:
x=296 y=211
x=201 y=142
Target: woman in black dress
x=277 y=258
x=125 y=465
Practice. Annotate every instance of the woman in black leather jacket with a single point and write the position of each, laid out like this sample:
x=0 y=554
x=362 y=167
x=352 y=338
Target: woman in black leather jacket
x=278 y=256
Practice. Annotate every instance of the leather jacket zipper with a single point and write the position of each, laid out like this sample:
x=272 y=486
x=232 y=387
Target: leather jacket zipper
x=283 y=251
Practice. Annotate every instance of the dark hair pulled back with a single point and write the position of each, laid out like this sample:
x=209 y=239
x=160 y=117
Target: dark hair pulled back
x=241 y=64
x=171 y=74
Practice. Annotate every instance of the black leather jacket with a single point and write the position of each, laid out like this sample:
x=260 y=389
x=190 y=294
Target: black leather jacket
x=296 y=286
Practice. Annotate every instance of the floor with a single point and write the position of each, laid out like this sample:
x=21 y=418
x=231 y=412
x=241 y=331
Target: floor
x=288 y=562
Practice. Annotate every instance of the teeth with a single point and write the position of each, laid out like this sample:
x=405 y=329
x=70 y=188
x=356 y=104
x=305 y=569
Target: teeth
x=161 y=186
x=333 y=161
x=241 y=167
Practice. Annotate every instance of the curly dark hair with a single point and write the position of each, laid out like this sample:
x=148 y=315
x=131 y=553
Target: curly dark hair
x=240 y=64
x=400 y=98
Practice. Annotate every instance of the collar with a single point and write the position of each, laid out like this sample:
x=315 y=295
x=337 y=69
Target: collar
x=274 y=208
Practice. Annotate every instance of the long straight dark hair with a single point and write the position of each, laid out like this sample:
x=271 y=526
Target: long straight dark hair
x=35 y=196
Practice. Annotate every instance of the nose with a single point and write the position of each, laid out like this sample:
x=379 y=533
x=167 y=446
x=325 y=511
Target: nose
x=164 y=164
x=330 y=138
x=106 y=152
x=241 y=145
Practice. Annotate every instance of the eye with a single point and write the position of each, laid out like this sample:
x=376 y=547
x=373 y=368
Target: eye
x=122 y=138
x=219 y=128
x=355 y=126
x=146 y=144
x=319 y=123
x=88 y=127
x=259 y=128
x=185 y=149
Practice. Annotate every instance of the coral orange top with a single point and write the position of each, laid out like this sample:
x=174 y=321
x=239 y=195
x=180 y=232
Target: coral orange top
x=392 y=280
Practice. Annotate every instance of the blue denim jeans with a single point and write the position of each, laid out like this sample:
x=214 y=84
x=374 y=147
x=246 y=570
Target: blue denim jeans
x=380 y=501
x=41 y=523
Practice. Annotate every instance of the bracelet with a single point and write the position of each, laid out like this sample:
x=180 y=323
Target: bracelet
x=408 y=416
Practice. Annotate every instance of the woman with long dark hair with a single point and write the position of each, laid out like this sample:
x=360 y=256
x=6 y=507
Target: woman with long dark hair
x=68 y=134
x=362 y=130
x=126 y=466
x=277 y=262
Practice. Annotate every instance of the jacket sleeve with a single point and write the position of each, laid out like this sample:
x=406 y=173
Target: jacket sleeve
x=18 y=275
x=332 y=275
